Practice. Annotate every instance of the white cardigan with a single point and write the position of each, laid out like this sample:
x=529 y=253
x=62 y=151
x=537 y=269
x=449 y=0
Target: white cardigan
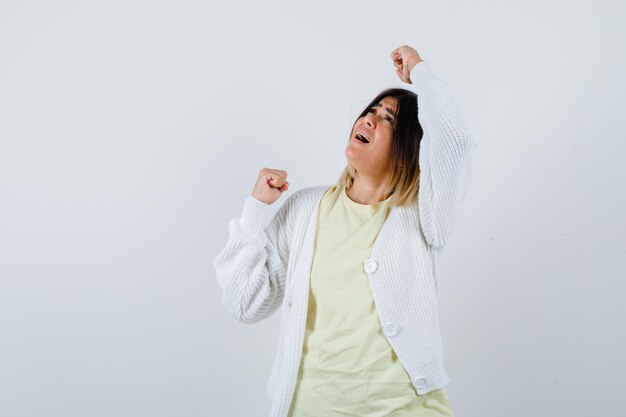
x=263 y=268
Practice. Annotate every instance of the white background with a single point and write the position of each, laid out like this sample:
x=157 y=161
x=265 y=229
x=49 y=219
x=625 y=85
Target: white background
x=132 y=132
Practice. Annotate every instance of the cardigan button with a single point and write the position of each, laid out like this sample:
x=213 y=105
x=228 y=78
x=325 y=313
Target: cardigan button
x=420 y=382
x=370 y=265
x=390 y=329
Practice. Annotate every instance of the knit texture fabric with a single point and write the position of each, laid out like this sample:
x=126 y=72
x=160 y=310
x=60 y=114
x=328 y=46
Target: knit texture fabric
x=263 y=268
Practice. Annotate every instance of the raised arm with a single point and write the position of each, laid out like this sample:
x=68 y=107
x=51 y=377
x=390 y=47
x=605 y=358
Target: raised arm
x=445 y=154
x=252 y=267
x=446 y=147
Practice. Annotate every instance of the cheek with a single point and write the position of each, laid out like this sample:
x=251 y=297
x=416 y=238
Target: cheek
x=386 y=136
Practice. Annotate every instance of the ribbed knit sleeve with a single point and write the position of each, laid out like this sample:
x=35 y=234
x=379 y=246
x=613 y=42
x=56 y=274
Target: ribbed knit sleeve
x=252 y=267
x=445 y=154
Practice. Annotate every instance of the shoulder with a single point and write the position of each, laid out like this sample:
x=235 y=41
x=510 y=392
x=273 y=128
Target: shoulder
x=300 y=204
x=309 y=195
x=311 y=192
x=305 y=199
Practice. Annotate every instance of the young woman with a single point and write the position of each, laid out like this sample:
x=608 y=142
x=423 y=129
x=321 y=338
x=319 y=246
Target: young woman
x=354 y=264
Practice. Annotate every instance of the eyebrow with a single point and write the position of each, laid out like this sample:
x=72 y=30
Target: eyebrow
x=386 y=108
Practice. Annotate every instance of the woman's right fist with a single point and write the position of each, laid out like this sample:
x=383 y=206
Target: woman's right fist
x=270 y=185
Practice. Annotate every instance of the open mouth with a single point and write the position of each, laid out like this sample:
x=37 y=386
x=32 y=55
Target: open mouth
x=359 y=136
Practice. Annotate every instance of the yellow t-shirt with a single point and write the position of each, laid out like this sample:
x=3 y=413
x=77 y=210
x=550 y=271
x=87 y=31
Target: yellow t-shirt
x=348 y=367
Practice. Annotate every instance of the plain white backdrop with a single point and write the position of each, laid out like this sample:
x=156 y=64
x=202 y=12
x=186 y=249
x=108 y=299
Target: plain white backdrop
x=131 y=132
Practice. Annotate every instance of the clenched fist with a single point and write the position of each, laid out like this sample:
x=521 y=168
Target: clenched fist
x=270 y=185
x=404 y=59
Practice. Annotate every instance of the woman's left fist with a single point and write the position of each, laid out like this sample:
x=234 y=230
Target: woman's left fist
x=404 y=59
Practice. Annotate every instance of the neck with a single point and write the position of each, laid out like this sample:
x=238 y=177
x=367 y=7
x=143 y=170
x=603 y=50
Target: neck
x=367 y=191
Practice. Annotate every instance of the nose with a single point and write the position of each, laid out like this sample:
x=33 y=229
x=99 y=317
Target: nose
x=369 y=120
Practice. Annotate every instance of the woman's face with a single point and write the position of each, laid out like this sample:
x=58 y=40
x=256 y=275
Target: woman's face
x=373 y=158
